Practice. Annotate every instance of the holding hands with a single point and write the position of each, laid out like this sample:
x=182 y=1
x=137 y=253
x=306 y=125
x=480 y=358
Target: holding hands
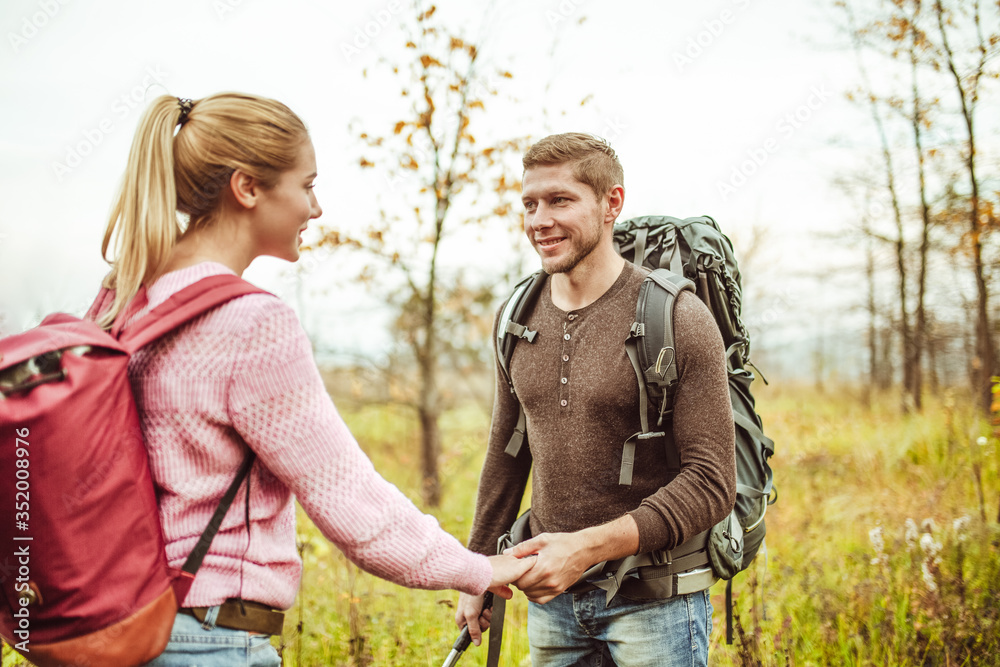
x=546 y=565
x=542 y=567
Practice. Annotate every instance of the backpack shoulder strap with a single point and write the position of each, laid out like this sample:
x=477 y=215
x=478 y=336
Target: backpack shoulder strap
x=651 y=349
x=509 y=331
x=185 y=305
x=185 y=577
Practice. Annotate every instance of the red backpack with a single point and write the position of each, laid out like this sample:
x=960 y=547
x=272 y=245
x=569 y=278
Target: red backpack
x=83 y=569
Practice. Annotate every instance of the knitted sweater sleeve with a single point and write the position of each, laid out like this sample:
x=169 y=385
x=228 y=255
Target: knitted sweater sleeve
x=278 y=404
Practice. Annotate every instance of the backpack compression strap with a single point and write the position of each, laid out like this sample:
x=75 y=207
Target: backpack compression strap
x=665 y=241
x=509 y=331
x=654 y=318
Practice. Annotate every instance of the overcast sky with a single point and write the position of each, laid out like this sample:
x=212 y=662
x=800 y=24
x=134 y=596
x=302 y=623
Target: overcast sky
x=722 y=107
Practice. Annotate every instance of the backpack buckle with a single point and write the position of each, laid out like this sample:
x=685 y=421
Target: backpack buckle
x=521 y=331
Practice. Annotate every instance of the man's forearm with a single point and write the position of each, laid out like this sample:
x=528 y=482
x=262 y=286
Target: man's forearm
x=610 y=541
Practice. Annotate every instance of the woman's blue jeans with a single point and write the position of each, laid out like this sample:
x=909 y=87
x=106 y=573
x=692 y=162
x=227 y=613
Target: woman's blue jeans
x=194 y=643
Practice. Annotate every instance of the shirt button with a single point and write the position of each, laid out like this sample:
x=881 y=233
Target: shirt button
x=564 y=380
x=572 y=316
x=563 y=402
x=565 y=357
x=566 y=337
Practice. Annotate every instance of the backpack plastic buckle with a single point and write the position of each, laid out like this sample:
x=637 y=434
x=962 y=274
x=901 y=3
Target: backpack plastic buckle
x=710 y=262
x=521 y=331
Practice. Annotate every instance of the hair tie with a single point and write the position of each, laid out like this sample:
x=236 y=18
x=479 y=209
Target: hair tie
x=186 y=106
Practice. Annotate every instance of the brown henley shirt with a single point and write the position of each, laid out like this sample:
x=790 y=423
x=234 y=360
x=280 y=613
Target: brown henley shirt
x=581 y=397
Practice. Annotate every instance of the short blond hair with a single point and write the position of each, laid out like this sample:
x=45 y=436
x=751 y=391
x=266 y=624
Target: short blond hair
x=594 y=161
x=186 y=170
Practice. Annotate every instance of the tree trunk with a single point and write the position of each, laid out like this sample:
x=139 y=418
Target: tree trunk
x=985 y=360
x=900 y=246
x=900 y=241
x=428 y=404
x=886 y=370
x=429 y=407
x=933 y=380
x=916 y=386
x=873 y=379
x=430 y=450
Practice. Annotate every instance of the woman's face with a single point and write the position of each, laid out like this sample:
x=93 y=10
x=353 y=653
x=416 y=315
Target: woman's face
x=285 y=210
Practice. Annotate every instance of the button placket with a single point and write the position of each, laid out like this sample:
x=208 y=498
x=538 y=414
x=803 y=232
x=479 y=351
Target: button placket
x=567 y=353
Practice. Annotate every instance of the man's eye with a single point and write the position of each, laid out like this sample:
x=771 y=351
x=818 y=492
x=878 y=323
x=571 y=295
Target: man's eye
x=528 y=206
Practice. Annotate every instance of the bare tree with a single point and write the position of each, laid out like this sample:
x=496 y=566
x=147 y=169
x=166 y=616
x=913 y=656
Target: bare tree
x=916 y=44
x=966 y=74
x=860 y=36
x=431 y=159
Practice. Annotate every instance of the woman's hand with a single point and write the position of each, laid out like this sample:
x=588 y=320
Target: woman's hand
x=470 y=607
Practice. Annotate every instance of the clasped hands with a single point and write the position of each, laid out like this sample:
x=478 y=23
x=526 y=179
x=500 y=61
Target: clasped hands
x=542 y=568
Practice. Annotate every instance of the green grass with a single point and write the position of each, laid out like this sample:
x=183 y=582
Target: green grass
x=842 y=470
x=831 y=597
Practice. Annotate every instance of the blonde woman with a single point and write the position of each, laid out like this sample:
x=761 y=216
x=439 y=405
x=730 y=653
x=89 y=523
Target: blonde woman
x=241 y=169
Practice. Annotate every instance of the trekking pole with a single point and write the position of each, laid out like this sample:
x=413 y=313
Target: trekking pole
x=464 y=639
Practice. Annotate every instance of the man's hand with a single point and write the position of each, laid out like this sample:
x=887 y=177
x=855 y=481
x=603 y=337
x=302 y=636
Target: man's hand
x=563 y=557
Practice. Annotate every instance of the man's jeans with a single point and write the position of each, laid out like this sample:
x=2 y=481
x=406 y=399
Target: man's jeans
x=577 y=629
x=196 y=644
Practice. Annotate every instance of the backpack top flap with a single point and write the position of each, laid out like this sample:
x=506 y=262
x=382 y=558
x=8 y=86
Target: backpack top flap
x=704 y=237
x=56 y=332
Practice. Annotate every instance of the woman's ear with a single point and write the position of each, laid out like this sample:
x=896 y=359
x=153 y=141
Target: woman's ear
x=245 y=189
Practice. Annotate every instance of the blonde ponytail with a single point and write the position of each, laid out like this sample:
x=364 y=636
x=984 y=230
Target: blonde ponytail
x=143 y=224
x=187 y=171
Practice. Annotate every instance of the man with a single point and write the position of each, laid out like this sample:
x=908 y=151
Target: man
x=580 y=396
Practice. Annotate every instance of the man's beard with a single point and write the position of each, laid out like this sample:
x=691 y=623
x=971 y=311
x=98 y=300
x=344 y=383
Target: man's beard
x=584 y=247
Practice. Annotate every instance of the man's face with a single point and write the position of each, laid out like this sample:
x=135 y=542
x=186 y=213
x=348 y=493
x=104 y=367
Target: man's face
x=563 y=219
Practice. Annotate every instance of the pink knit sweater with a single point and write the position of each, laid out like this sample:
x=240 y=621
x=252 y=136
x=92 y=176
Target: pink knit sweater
x=244 y=372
